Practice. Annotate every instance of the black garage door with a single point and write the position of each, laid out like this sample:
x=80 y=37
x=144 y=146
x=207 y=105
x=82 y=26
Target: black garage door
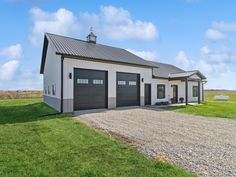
x=128 y=89
x=90 y=89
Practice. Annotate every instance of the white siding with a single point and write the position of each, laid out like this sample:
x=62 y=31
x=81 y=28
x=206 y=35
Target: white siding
x=70 y=64
x=52 y=72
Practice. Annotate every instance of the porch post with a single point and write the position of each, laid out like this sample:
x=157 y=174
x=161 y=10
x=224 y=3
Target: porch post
x=199 y=91
x=202 y=91
x=186 y=91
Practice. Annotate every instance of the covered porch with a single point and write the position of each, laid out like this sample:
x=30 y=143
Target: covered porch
x=191 y=76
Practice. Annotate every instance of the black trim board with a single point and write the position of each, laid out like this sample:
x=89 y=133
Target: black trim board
x=44 y=54
x=62 y=88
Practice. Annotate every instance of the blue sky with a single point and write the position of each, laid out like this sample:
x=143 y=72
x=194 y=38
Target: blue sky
x=192 y=34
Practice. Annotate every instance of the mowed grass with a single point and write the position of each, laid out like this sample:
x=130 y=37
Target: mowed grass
x=34 y=142
x=212 y=108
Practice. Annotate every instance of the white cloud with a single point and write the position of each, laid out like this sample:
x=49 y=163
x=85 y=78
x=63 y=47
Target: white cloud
x=147 y=55
x=8 y=69
x=12 y=52
x=183 y=61
x=223 y=26
x=119 y=25
x=60 y=22
x=111 y=22
x=214 y=35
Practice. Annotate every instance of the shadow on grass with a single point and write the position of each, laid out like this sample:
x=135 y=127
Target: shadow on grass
x=26 y=113
x=173 y=108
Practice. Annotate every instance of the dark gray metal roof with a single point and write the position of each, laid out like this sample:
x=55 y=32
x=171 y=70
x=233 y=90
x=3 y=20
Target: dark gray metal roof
x=163 y=70
x=78 y=48
x=75 y=47
x=186 y=74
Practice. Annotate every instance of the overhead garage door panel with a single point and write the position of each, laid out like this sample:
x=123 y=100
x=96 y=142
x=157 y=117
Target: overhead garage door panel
x=128 y=89
x=90 y=89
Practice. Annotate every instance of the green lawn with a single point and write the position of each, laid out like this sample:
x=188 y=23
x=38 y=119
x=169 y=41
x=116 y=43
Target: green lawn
x=34 y=142
x=211 y=108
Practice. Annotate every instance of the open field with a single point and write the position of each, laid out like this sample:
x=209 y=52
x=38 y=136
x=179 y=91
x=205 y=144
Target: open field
x=209 y=95
x=212 y=108
x=20 y=94
x=34 y=142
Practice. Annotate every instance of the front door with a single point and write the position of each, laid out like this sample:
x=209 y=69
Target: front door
x=175 y=93
x=147 y=94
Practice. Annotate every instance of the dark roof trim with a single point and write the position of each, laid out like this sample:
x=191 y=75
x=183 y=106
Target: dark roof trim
x=102 y=60
x=44 y=54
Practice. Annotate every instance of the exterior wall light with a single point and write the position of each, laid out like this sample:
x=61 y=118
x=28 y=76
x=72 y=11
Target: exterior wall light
x=70 y=75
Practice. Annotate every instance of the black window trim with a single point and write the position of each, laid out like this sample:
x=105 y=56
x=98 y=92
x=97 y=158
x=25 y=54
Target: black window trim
x=164 y=95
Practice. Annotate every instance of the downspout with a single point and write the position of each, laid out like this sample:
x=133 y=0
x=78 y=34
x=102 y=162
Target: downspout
x=62 y=68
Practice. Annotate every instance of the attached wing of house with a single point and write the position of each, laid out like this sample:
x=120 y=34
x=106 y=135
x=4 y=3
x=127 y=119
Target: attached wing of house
x=82 y=75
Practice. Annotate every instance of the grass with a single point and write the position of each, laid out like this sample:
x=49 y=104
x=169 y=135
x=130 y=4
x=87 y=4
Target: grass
x=33 y=142
x=211 y=108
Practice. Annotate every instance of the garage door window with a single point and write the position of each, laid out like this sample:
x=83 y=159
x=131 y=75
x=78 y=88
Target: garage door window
x=160 y=91
x=82 y=81
x=132 y=82
x=97 y=82
x=121 y=82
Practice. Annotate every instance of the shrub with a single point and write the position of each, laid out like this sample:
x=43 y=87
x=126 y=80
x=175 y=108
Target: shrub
x=162 y=103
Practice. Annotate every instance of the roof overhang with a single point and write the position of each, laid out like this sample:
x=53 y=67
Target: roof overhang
x=187 y=75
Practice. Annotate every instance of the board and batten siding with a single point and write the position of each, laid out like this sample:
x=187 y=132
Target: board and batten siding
x=70 y=64
x=52 y=76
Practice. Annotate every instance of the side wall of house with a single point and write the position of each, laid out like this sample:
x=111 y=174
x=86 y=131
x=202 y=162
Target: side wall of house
x=70 y=64
x=52 y=79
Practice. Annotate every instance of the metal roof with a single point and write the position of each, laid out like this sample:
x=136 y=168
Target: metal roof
x=186 y=74
x=75 y=47
x=163 y=70
x=78 y=48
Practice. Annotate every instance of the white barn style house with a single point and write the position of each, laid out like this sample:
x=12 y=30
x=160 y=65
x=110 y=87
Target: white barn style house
x=79 y=75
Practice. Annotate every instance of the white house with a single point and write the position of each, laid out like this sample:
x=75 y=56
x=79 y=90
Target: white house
x=81 y=75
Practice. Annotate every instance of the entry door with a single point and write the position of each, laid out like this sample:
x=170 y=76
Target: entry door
x=90 y=89
x=175 y=93
x=128 y=89
x=147 y=94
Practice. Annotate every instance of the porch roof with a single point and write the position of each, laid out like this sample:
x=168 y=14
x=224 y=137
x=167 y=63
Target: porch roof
x=186 y=74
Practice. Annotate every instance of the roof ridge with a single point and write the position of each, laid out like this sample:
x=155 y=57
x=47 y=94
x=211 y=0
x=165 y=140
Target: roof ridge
x=73 y=38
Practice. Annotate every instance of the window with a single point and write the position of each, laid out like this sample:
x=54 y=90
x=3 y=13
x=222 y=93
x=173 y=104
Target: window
x=45 y=90
x=54 y=89
x=195 y=91
x=132 y=82
x=160 y=91
x=98 y=82
x=121 y=82
x=82 y=81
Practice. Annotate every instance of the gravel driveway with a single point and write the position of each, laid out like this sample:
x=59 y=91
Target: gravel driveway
x=206 y=146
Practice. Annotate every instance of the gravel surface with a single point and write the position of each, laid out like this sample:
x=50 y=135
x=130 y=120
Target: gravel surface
x=205 y=146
